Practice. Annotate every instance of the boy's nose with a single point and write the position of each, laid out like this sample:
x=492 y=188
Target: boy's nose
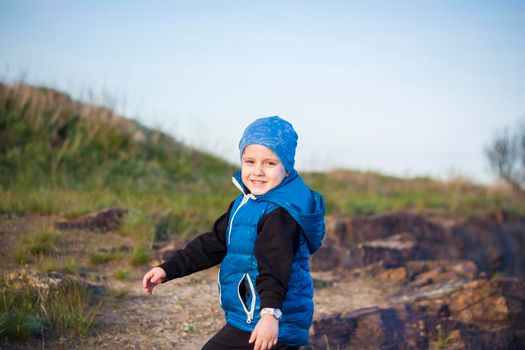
x=258 y=170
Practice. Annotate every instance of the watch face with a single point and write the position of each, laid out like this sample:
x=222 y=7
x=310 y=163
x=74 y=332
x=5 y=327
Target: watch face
x=277 y=313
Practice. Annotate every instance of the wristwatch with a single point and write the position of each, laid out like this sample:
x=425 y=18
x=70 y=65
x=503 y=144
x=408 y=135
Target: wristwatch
x=271 y=311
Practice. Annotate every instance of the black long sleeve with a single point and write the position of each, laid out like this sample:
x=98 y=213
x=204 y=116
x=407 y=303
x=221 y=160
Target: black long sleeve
x=276 y=244
x=277 y=241
x=204 y=251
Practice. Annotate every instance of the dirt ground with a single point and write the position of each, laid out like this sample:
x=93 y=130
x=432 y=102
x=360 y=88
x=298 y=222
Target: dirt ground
x=181 y=314
x=184 y=313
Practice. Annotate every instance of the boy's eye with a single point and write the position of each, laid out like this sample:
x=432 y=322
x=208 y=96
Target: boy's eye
x=271 y=163
x=248 y=161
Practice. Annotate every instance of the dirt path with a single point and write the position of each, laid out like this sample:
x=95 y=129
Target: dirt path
x=181 y=314
x=185 y=313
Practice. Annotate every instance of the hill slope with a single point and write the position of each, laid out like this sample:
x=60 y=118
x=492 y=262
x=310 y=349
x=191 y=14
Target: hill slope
x=48 y=138
x=52 y=144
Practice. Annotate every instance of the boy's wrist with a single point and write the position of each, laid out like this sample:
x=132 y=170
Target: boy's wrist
x=274 y=312
x=165 y=267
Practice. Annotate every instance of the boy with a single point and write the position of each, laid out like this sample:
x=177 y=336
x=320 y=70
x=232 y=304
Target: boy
x=263 y=243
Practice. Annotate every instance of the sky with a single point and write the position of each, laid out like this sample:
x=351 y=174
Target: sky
x=405 y=88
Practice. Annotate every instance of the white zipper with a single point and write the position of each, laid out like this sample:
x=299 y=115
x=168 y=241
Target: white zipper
x=219 y=281
x=243 y=202
x=249 y=313
x=252 y=306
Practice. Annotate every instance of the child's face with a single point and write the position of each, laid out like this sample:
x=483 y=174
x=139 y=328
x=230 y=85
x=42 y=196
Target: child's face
x=261 y=169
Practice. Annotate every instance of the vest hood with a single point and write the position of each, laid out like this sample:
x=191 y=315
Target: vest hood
x=307 y=207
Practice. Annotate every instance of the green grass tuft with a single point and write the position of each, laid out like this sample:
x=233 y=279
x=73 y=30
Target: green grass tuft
x=40 y=245
x=70 y=308
x=139 y=256
x=71 y=266
x=104 y=258
x=121 y=274
x=19 y=326
x=67 y=308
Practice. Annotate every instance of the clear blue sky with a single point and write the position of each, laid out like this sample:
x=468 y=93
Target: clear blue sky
x=402 y=87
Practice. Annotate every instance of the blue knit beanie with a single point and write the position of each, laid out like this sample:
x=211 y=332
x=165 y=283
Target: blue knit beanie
x=275 y=133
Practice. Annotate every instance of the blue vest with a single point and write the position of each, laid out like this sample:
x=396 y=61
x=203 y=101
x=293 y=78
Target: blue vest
x=239 y=269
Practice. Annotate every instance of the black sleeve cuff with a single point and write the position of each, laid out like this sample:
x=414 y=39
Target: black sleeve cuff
x=170 y=273
x=273 y=301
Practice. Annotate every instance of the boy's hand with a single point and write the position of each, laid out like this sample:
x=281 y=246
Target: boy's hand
x=153 y=277
x=265 y=333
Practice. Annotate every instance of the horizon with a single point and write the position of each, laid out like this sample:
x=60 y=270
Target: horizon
x=399 y=89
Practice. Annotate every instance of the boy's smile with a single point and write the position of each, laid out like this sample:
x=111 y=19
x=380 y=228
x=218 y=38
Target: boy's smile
x=261 y=169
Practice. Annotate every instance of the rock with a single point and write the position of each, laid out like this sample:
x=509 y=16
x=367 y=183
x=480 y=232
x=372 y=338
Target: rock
x=419 y=273
x=383 y=274
x=167 y=250
x=480 y=314
x=493 y=246
x=424 y=272
x=395 y=238
x=371 y=328
x=392 y=251
x=488 y=304
x=105 y=220
x=332 y=255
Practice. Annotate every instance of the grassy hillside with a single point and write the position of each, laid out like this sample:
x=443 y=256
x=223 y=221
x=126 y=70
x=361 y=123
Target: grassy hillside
x=60 y=156
x=363 y=193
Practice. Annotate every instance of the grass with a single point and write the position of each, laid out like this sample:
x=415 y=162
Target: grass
x=441 y=339
x=104 y=257
x=40 y=245
x=139 y=256
x=71 y=267
x=121 y=274
x=28 y=308
x=70 y=308
x=48 y=265
x=362 y=193
x=119 y=293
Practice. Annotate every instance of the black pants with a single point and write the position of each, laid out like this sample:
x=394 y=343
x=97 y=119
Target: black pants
x=229 y=337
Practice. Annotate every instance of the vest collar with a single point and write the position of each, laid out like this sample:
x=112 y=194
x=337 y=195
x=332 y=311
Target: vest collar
x=241 y=188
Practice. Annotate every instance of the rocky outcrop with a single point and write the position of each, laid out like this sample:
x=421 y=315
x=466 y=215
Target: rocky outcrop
x=453 y=314
x=436 y=276
x=397 y=238
x=102 y=221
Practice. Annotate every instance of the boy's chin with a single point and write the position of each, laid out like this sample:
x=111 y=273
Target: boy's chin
x=258 y=191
